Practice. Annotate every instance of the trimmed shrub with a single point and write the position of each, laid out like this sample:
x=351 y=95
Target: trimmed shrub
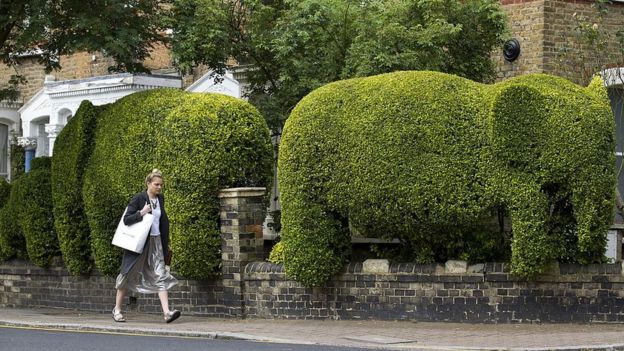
x=72 y=150
x=12 y=242
x=43 y=162
x=18 y=160
x=428 y=158
x=277 y=253
x=5 y=191
x=553 y=142
x=35 y=215
x=201 y=142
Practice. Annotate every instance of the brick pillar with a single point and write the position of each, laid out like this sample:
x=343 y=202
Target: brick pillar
x=242 y=214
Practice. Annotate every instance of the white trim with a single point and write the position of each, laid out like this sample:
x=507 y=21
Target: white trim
x=613 y=76
x=57 y=100
x=103 y=90
x=10 y=105
x=208 y=84
x=28 y=53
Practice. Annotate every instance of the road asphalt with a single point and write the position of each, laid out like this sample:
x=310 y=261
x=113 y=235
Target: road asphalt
x=387 y=335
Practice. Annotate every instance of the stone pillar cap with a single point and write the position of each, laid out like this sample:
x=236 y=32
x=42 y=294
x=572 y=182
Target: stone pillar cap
x=236 y=192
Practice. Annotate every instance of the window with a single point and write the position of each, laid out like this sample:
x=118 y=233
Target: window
x=4 y=151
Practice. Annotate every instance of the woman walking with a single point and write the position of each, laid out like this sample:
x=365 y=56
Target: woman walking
x=145 y=272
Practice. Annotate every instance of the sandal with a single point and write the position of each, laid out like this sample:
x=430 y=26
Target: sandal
x=172 y=316
x=118 y=317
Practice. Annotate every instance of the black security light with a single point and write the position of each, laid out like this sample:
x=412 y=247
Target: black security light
x=511 y=50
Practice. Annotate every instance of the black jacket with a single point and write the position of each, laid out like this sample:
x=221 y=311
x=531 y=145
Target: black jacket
x=132 y=216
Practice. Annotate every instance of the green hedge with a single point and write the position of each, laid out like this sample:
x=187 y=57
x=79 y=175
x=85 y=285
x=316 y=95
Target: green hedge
x=5 y=191
x=72 y=150
x=428 y=157
x=12 y=243
x=201 y=142
x=35 y=215
x=552 y=160
x=43 y=162
x=18 y=160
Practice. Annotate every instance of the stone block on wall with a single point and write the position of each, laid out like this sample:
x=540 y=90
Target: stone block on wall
x=455 y=266
x=376 y=266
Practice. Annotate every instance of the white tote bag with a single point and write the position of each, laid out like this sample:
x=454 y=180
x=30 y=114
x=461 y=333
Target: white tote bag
x=132 y=237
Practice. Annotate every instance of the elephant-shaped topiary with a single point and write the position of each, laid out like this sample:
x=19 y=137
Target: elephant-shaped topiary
x=420 y=155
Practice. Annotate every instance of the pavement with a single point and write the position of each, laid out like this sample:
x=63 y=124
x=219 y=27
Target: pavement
x=386 y=335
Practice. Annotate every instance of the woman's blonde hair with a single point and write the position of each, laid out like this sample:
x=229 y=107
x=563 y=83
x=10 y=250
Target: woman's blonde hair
x=155 y=173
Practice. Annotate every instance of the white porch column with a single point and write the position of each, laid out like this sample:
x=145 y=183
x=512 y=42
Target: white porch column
x=53 y=131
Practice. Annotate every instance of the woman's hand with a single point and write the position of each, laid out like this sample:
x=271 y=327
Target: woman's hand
x=146 y=209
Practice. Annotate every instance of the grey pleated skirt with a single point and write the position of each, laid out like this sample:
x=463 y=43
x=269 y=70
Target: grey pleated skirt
x=148 y=275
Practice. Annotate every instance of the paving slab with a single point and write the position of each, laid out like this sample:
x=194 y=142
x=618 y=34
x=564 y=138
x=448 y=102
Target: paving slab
x=387 y=335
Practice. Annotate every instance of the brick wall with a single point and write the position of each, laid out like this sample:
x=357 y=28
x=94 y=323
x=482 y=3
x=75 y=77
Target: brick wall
x=542 y=27
x=24 y=285
x=76 y=66
x=526 y=23
x=573 y=293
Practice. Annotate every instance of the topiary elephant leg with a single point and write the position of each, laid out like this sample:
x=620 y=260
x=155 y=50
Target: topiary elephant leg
x=316 y=243
x=531 y=248
x=593 y=214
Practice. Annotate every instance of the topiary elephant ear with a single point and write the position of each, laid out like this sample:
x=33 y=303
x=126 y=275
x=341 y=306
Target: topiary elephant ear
x=515 y=124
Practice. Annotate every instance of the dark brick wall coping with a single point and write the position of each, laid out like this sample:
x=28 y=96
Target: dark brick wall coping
x=264 y=267
x=490 y=269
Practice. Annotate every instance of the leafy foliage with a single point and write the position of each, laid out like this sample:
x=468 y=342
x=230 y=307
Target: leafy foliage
x=44 y=162
x=12 y=243
x=297 y=46
x=72 y=150
x=428 y=158
x=18 y=160
x=121 y=29
x=201 y=142
x=449 y=36
x=277 y=254
x=35 y=215
x=5 y=191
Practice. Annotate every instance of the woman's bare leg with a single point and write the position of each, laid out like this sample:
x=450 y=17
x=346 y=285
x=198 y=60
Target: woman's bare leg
x=119 y=299
x=164 y=300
